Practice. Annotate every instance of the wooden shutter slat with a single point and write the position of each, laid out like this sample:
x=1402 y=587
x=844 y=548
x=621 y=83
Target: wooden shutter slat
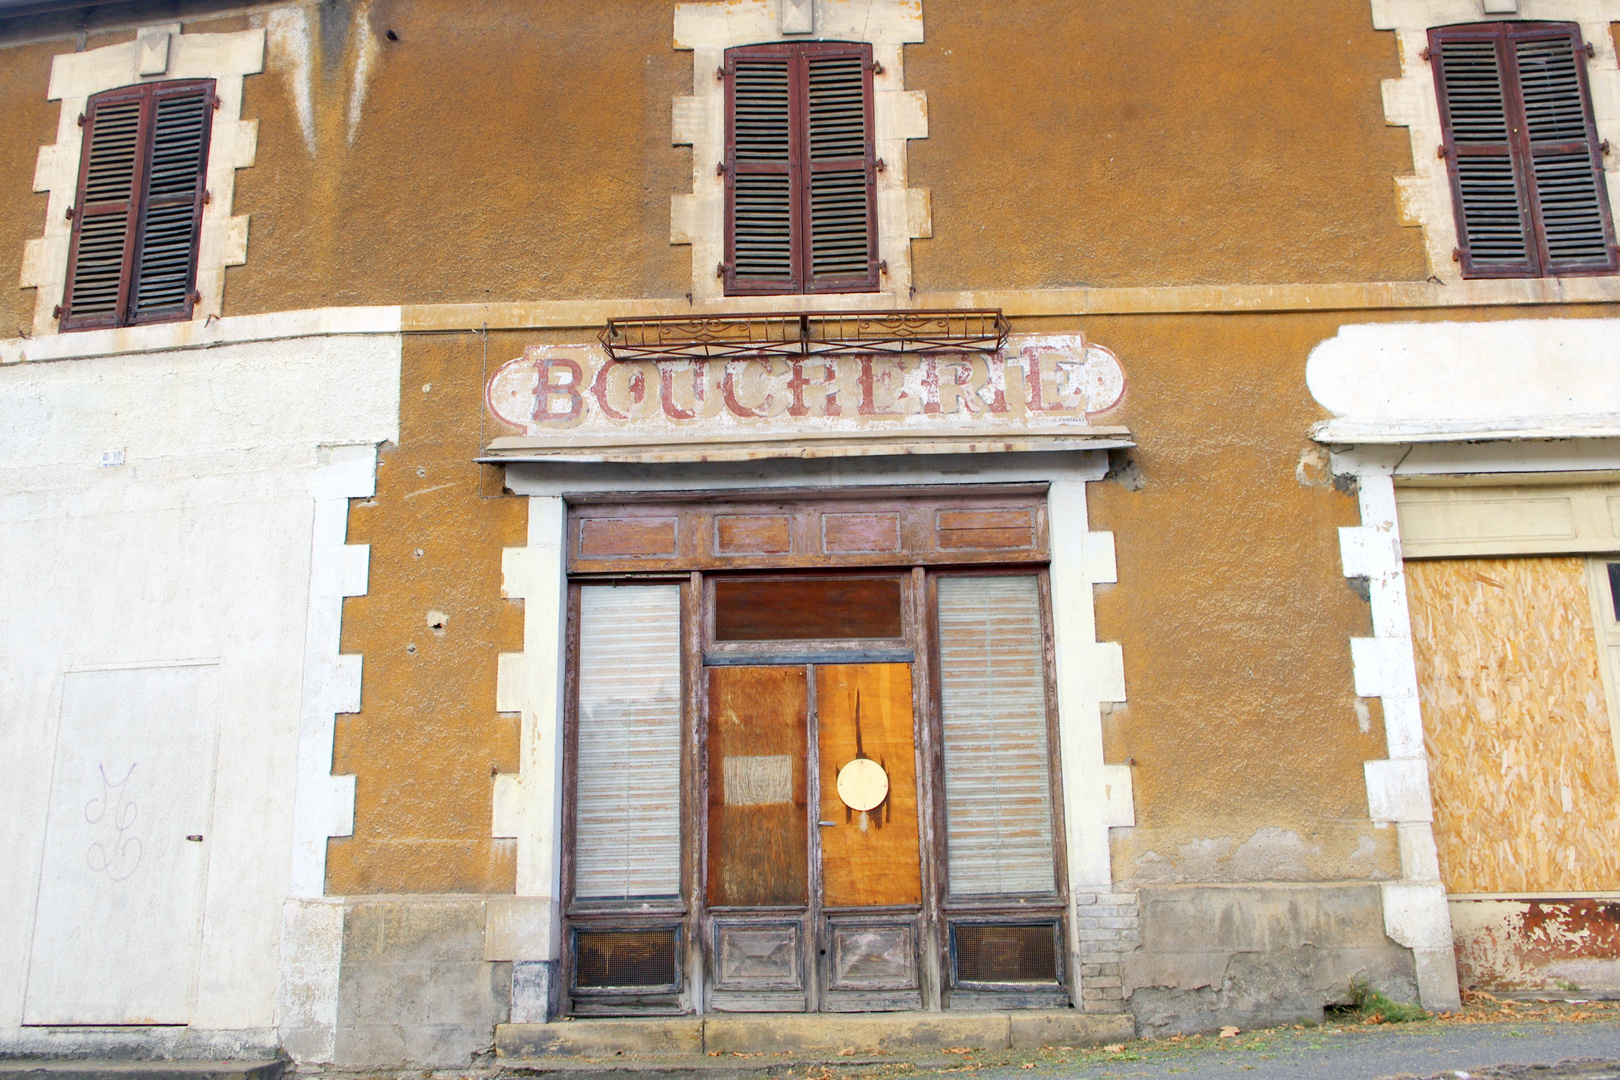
x=628 y=760
x=998 y=789
x=842 y=245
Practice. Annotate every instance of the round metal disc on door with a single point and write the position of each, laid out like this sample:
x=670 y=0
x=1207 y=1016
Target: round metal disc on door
x=863 y=785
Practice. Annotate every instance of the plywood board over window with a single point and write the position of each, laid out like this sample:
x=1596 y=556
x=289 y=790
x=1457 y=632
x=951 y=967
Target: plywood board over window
x=1526 y=791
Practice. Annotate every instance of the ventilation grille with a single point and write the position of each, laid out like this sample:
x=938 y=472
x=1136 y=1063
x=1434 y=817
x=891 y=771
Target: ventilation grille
x=169 y=222
x=1553 y=109
x=762 y=110
x=1474 y=92
x=1491 y=216
x=1006 y=954
x=839 y=244
x=763 y=226
x=837 y=108
x=624 y=958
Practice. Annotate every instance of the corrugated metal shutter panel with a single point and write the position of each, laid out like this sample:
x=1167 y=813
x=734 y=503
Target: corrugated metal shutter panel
x=628 y=823
x=1568 y=168
x=1494 y=225
x=173 y=207
x=998 y=791
x=102 y=227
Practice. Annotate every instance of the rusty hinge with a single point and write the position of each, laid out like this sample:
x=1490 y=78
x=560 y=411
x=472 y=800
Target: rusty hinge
x=1456 y=255
x=208 y=196
x=720 y=168
x=883 y=267
x=877 y=68
x=196 y=297
x=720 y=270
x=70 y=213
x=213 y=101
x=720 y=74
x=56 y=312
x=881 y=166
x=1591 y=50
x=1440 y=151
x=1603 y=147
x=81 y=119
x=1426 y=55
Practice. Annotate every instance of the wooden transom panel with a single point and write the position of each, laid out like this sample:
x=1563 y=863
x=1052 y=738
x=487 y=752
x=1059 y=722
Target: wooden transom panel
x=828 y=532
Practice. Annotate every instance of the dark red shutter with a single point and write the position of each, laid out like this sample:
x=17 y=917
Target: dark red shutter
x=138 y=209
x=801 y=211
x=165 y=270
x=842 y=244
x=1522 y=150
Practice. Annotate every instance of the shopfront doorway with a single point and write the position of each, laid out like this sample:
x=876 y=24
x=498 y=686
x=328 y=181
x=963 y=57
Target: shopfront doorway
x=810 y=783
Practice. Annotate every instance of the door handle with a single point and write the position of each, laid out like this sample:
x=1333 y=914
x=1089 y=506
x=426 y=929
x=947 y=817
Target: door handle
x=826 y=823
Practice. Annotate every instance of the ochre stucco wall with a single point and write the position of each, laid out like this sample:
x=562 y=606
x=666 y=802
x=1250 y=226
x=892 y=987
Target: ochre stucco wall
x=1115 y=143
x=513 y=151
x=427 y=741
x=504 y=151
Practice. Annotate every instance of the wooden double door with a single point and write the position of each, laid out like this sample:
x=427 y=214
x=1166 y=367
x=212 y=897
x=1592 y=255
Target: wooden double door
x=813 y=871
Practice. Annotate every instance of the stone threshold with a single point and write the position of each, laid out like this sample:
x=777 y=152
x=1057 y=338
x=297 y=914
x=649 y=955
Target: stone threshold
x=124 y=1069
x=820 y=1036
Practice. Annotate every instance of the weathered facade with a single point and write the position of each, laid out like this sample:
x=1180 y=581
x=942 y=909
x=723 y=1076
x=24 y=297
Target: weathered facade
x=1067 y=514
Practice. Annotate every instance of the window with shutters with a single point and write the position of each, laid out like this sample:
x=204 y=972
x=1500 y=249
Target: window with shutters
x=801 y=213
x=1525 y=164
x=136 y=218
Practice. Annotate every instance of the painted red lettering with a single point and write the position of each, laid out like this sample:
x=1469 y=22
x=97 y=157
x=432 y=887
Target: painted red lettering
x=546 y=389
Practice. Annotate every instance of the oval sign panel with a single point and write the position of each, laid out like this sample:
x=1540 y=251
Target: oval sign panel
x=863 y=785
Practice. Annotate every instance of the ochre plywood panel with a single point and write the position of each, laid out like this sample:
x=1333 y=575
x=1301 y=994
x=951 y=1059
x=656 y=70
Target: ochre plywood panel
x=758 y=843
x=1526 y=796
x=868 y=858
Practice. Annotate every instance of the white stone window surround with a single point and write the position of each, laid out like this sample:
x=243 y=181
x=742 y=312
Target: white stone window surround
x=1410 y=101
x=1096 y=796
x=709 y=28
x=156 y=54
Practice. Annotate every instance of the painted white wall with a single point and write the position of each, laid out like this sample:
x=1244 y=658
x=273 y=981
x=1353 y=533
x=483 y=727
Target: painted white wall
x=1403 y=382
x=197 y=547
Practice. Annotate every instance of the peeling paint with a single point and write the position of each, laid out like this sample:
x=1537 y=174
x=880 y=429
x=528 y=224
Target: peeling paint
x=1570 y=945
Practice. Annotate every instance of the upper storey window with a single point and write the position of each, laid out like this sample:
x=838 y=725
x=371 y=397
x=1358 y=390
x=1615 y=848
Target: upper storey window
x=1525 y=163
x=136 y=217
x=801 y=213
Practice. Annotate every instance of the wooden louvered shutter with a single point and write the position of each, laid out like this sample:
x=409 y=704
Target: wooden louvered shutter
x=998 y=787
x=136 y=220
x=627 y=827
x=1526 y=166
x=801 y=174
x=841 y=248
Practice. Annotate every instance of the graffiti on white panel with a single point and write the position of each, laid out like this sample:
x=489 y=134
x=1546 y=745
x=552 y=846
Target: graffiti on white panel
x=1039 y=382
x=116 y=850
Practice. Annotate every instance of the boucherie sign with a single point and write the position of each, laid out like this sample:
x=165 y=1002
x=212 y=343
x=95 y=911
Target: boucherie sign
x=1050 y=382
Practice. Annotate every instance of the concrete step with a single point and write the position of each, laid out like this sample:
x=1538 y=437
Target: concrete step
x=86 y=1069
x=829 y=1036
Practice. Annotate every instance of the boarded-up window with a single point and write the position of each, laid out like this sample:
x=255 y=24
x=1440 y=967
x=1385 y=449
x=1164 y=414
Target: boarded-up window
x=801 y=206
x=137 y=217
x=1525 y=162
x=998 y=790
x=628 y=823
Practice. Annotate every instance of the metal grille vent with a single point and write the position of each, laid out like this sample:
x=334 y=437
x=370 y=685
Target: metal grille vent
x=624 y=958
x=98 y=263
x=1006 y=954
x=169 y=219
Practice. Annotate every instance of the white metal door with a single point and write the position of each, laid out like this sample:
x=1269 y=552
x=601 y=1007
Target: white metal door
x=119 y=917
